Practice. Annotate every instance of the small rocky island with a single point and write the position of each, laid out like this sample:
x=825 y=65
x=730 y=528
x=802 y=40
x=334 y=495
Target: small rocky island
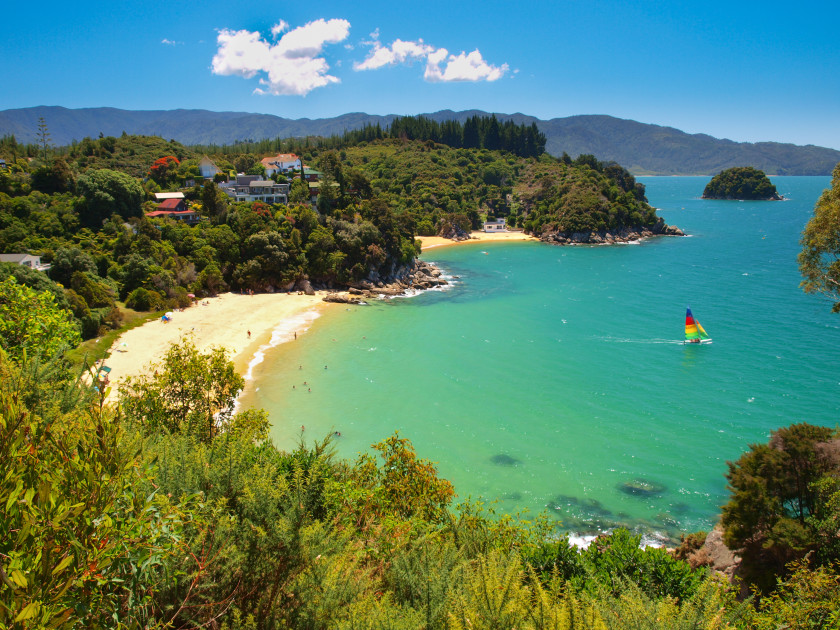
x=743 y=183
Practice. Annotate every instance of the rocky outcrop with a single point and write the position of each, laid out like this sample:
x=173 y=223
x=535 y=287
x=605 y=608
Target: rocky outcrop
x=455 y=233
x=610 y=237
x=418 y=277
x=342 y=298
x=305 y=286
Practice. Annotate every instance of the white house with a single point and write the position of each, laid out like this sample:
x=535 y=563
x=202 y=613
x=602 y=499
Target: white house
x=280 y=163
x=495 y=226
x=27 y=260
x=208 y=168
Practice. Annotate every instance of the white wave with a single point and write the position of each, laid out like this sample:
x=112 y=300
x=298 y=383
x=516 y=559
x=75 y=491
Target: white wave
x=652 y=539
x=286 y=331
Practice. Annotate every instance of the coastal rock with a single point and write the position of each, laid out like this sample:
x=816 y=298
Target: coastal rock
x=341 y=298
x=722 y=559
x=304 y=285
x=417 y=275
x=605 y=237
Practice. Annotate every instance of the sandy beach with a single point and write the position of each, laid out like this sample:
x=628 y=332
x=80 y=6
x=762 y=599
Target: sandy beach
x=223 y=321
x=430 y=242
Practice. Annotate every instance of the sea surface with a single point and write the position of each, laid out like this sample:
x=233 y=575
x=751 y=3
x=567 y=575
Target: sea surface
x=555 y=378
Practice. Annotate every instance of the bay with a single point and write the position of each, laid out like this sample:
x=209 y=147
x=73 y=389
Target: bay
x=555 y=378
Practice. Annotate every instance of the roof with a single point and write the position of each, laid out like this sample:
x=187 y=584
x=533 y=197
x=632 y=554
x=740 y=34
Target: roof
x=280 y=157
x=311 y=171
x=169 y=195
x=263 y=183
x=15 y=258
x=170 y=204
x=169 y=213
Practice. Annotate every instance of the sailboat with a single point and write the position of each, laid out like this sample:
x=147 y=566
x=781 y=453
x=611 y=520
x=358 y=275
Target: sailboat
x=694 y=332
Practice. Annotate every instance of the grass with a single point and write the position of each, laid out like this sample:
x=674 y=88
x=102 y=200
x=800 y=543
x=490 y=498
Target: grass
x=92 y=350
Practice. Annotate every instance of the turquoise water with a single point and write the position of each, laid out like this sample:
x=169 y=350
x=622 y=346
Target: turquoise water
x=549 y=377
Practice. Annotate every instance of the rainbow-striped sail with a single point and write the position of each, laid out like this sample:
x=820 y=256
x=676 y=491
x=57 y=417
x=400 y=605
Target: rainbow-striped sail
x=694 y=332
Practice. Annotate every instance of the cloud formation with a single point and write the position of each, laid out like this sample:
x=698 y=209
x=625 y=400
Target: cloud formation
x=462 y=67
x=293 y=65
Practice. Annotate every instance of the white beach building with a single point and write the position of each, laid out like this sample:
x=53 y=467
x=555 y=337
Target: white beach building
x=495 y=226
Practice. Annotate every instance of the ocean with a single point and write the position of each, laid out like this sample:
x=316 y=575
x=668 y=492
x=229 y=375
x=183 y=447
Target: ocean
x=555 y=379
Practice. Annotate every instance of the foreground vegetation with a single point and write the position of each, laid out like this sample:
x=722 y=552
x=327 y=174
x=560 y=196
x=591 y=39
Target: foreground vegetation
x=174 y=510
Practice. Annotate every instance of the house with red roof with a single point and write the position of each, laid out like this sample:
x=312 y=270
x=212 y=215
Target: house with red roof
x=175 y=209
x=281 y=163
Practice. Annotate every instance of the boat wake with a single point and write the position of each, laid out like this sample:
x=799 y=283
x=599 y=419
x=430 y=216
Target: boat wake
x=654 y=341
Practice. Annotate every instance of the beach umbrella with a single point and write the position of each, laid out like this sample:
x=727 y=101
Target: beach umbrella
x=170 y=314
x=191 y=295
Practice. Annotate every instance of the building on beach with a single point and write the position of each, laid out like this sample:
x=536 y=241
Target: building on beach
x=495 y=226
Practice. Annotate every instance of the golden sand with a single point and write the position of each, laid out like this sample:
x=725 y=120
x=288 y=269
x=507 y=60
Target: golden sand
x=223 y=321
x=430 y=242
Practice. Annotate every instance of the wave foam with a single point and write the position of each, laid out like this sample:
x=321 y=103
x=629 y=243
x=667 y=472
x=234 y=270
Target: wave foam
x=284 y=332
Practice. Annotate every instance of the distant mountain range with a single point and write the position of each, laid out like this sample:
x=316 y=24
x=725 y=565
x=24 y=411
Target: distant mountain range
x=642 y=148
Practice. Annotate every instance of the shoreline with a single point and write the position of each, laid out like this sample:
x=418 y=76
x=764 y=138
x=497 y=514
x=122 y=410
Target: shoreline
x=222 y=321
x=432 y=242
x=225 y=320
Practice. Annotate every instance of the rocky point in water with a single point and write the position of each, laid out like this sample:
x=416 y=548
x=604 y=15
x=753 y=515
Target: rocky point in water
x=419 y=277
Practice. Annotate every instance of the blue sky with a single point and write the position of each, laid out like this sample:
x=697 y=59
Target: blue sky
x=748 y=71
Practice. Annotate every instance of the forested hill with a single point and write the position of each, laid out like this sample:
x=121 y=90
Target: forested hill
x=644 y=148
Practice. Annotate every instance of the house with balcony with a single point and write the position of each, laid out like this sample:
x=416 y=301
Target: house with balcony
x=250 y=188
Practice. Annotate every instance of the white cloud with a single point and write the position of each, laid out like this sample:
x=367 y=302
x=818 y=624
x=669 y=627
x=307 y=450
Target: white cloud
x=463 y=67
x=292 y=66
x=278 y=28
x=170 y=42
x=398 y=52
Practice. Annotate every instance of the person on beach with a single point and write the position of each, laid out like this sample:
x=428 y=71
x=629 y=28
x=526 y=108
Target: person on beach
x=249 y=334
